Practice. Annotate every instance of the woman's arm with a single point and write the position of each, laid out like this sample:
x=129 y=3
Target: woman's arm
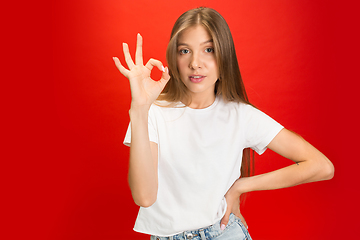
x=143 y=165
x=143 y=179
x=310 y=166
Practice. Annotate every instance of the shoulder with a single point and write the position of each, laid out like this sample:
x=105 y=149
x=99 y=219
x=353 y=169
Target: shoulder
x=244 y=112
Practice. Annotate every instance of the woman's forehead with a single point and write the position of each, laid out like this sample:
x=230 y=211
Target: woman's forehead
x=197 y=35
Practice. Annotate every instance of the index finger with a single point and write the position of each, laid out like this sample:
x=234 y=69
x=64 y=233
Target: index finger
x=138 y=54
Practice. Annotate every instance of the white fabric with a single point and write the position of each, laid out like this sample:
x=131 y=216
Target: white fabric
x=200 y=153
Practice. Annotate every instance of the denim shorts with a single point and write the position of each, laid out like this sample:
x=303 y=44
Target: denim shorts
x=234 y=230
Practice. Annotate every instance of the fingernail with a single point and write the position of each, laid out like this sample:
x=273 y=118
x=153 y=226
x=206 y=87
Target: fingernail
x=222 y=227
x=167 y=70
x=162 y=68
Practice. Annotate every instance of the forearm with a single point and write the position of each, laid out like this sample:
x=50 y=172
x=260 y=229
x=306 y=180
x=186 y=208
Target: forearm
x=317 y=169
x=295 y=174
x=142 y=168
x=292 y=175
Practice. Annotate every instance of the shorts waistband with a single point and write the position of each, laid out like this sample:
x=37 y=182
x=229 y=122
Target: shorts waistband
x=205 y=233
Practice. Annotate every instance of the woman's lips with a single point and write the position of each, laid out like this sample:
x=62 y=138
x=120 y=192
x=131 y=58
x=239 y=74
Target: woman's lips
x=196 y=78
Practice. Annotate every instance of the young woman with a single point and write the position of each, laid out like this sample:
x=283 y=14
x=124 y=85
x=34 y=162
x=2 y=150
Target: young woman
x=188 y=132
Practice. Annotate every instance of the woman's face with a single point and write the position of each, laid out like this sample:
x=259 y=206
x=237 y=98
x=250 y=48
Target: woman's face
x=196 y=61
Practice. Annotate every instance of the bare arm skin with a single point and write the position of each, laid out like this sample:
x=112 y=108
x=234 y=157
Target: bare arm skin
x=311 y=165
x=143 y=178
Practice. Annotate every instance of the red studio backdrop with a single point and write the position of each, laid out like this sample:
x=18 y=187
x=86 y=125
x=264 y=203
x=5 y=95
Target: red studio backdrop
x=298 y=61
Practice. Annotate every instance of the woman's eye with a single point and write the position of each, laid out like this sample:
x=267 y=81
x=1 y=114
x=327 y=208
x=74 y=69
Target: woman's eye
x=209 y=50
x=184 y=51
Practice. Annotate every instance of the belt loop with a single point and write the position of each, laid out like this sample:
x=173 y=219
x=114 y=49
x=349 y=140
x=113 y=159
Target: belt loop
x=202 y=234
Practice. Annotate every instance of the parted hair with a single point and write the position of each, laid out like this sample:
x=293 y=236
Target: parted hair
x=229 y=86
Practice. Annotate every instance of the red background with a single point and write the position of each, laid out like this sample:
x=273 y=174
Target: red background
x=298 y=60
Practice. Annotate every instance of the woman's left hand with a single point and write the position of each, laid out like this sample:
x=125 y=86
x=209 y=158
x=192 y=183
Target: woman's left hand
x=233 y=206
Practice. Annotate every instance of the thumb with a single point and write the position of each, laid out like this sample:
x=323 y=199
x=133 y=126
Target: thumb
x=224 y=220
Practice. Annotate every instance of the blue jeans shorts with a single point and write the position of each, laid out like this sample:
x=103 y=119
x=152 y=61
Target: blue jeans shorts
x=234 y=230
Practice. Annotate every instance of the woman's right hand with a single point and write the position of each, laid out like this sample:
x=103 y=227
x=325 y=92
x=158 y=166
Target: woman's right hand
x=144 y=90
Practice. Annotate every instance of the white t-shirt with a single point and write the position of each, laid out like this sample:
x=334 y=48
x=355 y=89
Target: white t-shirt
x=199 y=158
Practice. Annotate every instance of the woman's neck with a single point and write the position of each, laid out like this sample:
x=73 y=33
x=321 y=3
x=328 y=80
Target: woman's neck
x=200 y=102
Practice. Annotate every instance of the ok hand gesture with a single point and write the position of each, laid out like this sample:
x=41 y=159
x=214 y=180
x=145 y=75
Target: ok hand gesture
x=144 y=90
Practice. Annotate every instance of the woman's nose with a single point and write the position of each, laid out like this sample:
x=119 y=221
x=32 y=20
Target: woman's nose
x=195 y=62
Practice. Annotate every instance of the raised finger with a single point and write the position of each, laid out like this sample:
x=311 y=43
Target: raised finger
x=128 y=59
x=121 y=68
x=138 y=54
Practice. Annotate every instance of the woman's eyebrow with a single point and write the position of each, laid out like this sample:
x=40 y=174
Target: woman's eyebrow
x=208 y=41
x=185 y=44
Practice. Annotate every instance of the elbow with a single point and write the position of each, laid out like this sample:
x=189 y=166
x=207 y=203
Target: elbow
x=327 y=170
x=145 y=202
x=330 y=171
x=144 y=195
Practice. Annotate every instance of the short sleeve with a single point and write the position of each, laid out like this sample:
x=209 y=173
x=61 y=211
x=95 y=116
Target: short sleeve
x=260 y=129
x=153 y=136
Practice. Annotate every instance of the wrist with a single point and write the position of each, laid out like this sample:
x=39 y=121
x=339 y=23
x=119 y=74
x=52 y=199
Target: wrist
x=137 y=108
x=136 y=112
x=242 y=185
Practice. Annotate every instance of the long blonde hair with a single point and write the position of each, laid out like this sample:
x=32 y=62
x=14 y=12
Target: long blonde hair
x=229 y=86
